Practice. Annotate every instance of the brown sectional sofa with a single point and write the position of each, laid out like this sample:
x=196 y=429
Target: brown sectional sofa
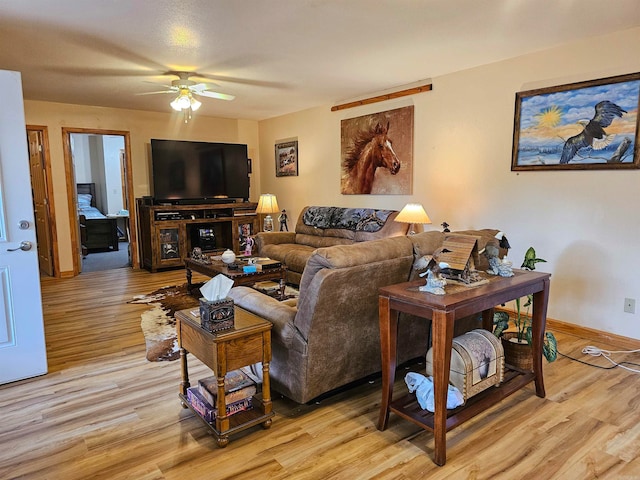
x=331 y=337
x=319 y=227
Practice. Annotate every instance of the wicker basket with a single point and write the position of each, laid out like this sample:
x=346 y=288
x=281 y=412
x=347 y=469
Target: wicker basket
x=518 y=355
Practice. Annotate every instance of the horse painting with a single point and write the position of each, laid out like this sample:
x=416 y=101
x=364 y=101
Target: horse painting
x=370 y=150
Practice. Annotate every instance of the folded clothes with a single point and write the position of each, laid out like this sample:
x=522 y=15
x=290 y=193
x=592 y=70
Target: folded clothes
x=423 y=387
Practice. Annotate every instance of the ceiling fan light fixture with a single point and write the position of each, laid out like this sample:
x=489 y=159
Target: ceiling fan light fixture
x=183 y=101
x=195 y=104
x=176 y=105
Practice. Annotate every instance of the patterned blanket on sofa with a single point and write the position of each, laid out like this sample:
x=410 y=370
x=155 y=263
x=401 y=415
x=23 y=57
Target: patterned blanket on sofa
x=356 y=219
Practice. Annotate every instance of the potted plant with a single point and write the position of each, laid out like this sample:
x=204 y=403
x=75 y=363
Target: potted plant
x=517 y=344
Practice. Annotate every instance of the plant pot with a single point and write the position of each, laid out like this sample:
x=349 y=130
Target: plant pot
x=517 y=354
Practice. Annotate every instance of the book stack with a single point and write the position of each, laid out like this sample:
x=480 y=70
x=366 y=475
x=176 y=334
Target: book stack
x=267 y=286
x=239 y=390
x=208 y=411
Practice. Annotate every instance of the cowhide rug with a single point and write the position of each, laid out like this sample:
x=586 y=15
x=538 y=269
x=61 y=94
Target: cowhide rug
x=159 y=325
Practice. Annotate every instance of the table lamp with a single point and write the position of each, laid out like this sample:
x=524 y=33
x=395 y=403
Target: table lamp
x=413 y=213
x=268 y=205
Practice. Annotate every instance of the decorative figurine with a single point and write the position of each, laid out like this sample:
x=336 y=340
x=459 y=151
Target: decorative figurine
x=248 y=246
x=283 y=221
x=497 y=266
x=445 y=227
x=435 y=281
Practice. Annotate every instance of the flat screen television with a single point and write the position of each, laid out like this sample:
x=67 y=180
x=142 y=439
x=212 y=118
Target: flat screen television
x=191 y=172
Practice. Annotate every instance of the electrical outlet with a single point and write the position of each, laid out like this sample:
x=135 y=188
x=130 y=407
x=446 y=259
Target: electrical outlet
x=630 y=305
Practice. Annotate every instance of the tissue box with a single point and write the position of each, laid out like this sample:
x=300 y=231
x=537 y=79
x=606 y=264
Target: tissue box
x=477 y=362
x=216 y=315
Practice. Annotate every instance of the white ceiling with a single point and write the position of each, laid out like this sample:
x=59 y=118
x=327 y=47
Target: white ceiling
x=276 y=56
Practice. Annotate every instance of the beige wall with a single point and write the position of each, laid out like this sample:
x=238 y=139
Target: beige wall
x=585 y=223
x=142 y=127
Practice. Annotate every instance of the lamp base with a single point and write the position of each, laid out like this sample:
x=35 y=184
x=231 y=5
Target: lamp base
x=268 y=224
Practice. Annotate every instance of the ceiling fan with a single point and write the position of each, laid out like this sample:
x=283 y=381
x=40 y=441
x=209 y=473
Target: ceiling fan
x=186 y=92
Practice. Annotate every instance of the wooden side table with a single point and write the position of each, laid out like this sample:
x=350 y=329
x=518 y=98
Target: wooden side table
x=247 y=343
x=444 y=310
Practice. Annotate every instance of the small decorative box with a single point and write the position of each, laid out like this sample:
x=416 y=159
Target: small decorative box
x=477 y=362
x=216 y=315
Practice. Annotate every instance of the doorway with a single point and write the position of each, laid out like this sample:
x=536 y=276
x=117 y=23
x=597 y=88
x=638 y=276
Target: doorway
x=99 y=184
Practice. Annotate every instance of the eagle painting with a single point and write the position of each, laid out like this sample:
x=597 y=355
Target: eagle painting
x=593 y=135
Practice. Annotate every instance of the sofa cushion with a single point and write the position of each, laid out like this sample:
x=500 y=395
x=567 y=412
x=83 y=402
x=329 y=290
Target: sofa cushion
x=342 y=256
x=388 y=260
x=280 y=314
x=293 y=255
x=318 y=241
x=296 y=256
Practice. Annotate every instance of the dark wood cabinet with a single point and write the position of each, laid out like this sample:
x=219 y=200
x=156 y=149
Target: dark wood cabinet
x=168 y=233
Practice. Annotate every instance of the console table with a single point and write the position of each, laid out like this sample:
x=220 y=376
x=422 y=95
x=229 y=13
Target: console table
x=444 y=310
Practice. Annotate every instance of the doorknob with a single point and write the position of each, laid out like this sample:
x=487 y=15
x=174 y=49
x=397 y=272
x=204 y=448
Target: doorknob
x=24 y=246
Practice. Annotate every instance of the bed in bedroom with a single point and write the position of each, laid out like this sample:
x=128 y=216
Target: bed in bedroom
x=97 y=231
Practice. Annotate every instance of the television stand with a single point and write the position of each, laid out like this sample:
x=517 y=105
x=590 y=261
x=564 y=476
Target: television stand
x=169 y=233
x=203 y=201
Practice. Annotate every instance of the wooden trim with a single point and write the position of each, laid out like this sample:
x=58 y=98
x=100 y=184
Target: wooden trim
x=72 y=198
x=595 y=336
x=382 y=98
x=69 y=174
x=590 y=334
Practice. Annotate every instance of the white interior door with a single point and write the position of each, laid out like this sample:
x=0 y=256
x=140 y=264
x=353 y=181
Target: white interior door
x=22 y=347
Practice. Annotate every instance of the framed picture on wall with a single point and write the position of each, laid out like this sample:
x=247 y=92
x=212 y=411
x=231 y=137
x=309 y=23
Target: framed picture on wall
x=287 y=159
x=578 y=126
x=377 y=153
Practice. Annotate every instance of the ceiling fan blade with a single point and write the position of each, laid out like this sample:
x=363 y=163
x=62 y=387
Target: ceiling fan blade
x=154 y=93
x=219 y=96
x=204 y=86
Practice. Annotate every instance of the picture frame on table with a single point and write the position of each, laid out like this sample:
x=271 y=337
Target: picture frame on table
x=287 y=159
x=578 y=126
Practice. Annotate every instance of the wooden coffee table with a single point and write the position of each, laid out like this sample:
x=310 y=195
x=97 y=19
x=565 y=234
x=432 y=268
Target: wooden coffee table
x=239 y=277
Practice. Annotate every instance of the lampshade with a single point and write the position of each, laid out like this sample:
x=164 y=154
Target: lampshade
x=413 y=213
x=267 y=205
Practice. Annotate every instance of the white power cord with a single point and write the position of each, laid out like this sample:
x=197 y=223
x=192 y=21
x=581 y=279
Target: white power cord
x=600 y=352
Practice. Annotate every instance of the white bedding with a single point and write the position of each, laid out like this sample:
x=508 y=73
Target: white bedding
x=85 y=208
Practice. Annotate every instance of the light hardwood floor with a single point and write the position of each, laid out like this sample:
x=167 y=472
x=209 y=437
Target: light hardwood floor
x=104 y=412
